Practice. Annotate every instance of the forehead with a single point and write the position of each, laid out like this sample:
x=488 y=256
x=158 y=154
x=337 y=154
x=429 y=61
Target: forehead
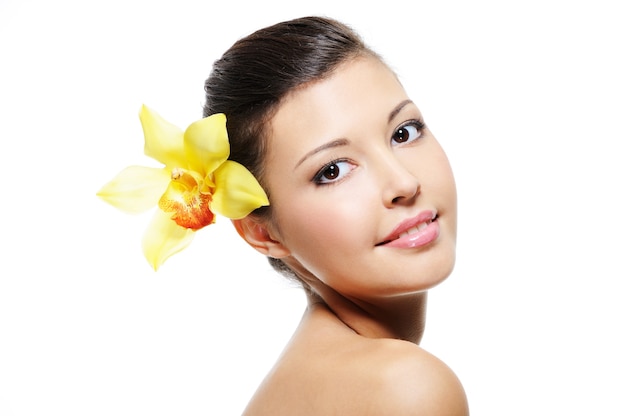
x=358 y=94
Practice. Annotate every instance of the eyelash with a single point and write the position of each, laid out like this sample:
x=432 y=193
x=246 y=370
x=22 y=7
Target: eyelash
x=417 y=124
x=319 y=179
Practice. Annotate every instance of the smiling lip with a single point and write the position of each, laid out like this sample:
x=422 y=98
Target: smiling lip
x=414 y=232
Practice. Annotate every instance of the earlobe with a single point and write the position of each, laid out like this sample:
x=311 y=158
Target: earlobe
x=256 y=233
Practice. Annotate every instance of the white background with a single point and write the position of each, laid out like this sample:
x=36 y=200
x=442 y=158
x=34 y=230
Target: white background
x=528 y=98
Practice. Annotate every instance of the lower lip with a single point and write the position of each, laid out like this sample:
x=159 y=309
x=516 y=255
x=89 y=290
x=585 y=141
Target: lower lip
x=418 y=239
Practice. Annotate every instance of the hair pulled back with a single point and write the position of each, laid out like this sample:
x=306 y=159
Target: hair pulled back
x=252 y=77
x=249 y=81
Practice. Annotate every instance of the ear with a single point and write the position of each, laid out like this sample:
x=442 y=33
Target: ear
x=257 y=234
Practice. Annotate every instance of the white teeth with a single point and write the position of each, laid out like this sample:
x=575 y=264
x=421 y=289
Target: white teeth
x=413 y=230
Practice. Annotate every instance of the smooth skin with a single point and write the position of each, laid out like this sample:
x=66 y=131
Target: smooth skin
x=348 y=161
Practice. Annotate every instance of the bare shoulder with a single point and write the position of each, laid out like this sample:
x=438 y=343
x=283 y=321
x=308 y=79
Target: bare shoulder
x=327 y=370
x=407 y=380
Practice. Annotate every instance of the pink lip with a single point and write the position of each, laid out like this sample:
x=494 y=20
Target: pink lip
x=428 y=231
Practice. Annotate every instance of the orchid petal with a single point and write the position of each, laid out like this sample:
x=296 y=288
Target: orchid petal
x=197 y=181
x=164 y=238
x=206 y=144
x=136 y=188
x=237 y=192
x=163 y=140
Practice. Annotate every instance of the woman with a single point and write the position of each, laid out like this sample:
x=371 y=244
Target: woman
x=362 y=212
x=356 y=202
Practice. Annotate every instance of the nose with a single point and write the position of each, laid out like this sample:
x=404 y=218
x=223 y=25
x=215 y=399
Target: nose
x=400 y=185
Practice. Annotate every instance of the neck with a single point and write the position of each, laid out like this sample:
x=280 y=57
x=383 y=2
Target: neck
x=401 y=317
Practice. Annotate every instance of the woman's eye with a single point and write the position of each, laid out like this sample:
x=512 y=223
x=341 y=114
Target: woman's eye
x=332 y=172
x=408 y=133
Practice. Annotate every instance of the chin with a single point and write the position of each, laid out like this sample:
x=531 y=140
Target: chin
x=437 y=272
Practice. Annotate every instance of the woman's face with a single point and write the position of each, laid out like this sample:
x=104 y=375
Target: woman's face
x=351 y=169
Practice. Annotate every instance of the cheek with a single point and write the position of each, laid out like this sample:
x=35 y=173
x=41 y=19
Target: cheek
x=447 y=182
x=435 y=173
x=326 y=223
x=315 y=222
x=440 y=184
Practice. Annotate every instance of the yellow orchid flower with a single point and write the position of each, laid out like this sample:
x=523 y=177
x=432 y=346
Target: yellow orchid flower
x=197 y=180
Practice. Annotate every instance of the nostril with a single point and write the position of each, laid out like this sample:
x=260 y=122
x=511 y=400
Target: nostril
x=407 y=195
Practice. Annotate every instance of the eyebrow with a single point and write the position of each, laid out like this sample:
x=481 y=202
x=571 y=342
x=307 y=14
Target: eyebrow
x=329 y=145
x=398 y=108
x=344 y=142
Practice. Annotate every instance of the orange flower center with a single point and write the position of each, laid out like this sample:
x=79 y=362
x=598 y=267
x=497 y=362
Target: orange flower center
x=190 y=207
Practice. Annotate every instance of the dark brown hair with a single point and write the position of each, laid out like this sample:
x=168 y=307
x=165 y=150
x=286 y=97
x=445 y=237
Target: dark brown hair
x=252 y=77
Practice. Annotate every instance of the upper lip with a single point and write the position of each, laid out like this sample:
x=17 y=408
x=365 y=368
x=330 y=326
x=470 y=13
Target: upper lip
x=407 y=224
